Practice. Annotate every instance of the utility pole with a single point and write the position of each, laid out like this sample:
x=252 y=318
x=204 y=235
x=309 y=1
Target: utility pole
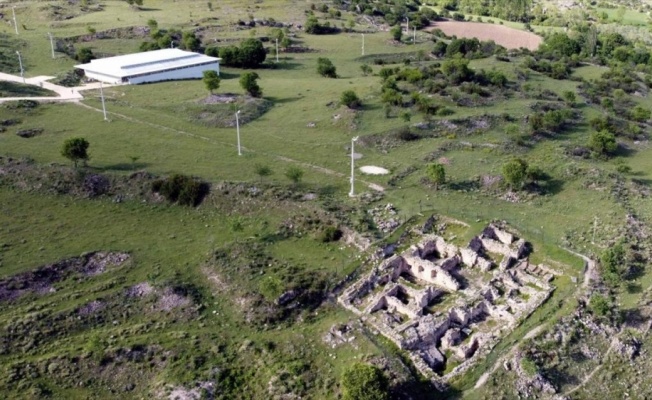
x=13 y=10
x=103 y=104
x=20 y=63
x=277 y=51
x=51 y=43
x=363 y=44
x=237 y=124
x=352 y=192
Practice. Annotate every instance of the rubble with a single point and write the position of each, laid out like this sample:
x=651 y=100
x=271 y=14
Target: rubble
x=448 y=304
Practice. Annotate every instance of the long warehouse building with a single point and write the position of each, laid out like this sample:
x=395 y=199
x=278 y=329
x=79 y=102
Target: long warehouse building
x=150 y=66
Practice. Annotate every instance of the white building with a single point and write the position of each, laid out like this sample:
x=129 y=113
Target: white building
x=150 y=66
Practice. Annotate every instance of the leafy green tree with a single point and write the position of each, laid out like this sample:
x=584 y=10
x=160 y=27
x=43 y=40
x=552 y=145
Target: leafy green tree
x=397 y=32
x=135 y=2
x=436 y=173
x=75 y=149
x=515 y=172
x=295 y=174
x=262 y=171
x=326 y=68
x=613 y=264
x=252 y=53
x=366 y=69
x=350 y=99
x=189 y=41
x=84 y=55
x=249 y=84
x=211 y=80
x=561 y=44
x=457 y=70
x=364 y=382
x=602 y=143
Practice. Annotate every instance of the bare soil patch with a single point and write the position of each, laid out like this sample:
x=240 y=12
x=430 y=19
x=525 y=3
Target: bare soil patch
x=40 y=280
x=509 y=38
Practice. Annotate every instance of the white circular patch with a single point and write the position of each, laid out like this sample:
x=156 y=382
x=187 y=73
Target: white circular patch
x=373 y=170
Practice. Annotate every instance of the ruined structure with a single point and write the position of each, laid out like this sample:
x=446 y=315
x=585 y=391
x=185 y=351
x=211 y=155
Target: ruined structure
x=448 y=305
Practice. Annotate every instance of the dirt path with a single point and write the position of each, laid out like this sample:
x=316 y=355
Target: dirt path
x=65 y=94
x=318 y=168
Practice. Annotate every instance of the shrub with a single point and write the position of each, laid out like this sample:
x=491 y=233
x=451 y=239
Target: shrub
x=602 y=143
x=84 y=55
x=326 y=68
x=364 y=382
x=75 y=149
x=181 y=189
x=350 y=99
x=249 y=84
x=330 y=234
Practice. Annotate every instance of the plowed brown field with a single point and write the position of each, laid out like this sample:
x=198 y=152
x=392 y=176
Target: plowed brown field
x=508 y=37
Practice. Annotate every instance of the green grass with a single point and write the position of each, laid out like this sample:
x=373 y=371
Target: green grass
x=13 y=89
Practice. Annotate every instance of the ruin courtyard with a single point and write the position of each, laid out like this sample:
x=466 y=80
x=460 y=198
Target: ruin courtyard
x=449 y=305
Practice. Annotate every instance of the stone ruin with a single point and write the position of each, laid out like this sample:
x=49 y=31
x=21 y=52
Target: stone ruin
x=448 y=305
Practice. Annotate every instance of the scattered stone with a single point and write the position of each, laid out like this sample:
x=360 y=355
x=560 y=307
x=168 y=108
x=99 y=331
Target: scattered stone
x=29 y=133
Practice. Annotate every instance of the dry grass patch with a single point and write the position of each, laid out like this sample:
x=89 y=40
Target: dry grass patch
x=507 y=37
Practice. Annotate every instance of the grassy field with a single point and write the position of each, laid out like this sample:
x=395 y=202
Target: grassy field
x=306 y=127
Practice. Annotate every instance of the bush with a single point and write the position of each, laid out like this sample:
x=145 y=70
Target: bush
x=350 y=99
x=364 y=382
x=84 y=55
x=330 y=234
x=181 y=189
x=326 y=68
x=250 y=54
x=602 y=143
x=248 y=83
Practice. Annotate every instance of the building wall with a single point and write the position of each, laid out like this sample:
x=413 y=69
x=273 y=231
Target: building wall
x=184 y=73
x=103 y=78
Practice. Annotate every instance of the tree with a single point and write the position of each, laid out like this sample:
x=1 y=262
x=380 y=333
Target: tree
x=515 y=172
x=252 y=53
x=366 y=69
x=364 y=382
x=249 y=84
x=397 y=32
x=350 y=99
x=135 y=2
x=190 y=42
x=211 y=80
x=457 y=70
x=602 y=143
x=613 y=264
x=326 y=68
x=84 y=55
x=294 y=174
x=75 y=149
x=436 y=173
x=262 y=171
